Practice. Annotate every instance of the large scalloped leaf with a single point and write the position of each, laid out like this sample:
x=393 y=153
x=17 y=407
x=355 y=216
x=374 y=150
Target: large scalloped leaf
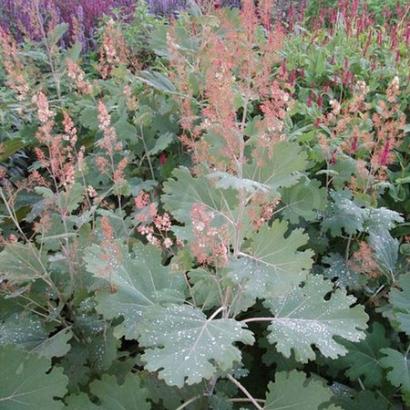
x=400 y=301
x=340 y=270
x=21 y=263
x=80 y=402
x=363 y=358
x=183 y=191
x=28 y=332
x=303 y=318
x=139 y=281
x=386 y=250
x=283 y=168
x=343 y=215
x=25 y=383
x=167 y=397
x=363 y=400
x=303 y=200
x=271 y=263
x=295 y=391
x=186 y=347
x=129 y=395
x=399 y=368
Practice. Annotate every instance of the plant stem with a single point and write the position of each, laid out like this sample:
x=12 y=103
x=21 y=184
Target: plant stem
x=347 y=252
x=187 y=403
x=147 y=154
x=258 y=319
x=219 y=310
x=244 y=391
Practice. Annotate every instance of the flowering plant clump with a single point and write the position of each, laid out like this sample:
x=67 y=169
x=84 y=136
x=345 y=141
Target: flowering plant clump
x=206 y=212
x=28 y=18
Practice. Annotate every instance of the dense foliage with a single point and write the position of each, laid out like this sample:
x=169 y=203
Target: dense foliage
x=208 y=212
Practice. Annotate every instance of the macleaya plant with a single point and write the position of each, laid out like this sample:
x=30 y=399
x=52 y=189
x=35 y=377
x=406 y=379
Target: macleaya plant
x=193 y=319
x=199 y=232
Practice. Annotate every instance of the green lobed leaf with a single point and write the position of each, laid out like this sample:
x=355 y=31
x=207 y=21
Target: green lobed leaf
x=169 y=397
x=126 y=395
x=75 y=366
x=224 y=180
x=343 y=215
x=24 y=330
x=295 y=391
x=271 y=263
x=398 y=366
x=363 y=358
x=162 y=143
x=125 y=130
x=27 y=384
x=273 y=357
x=303 y=200
x=400 y=301
x=183 y=191
x=80 y=401
x=205 y=288
x=186 y=347
x=20 y=263
x=386 y=250
x=340 y=270
x=139 y=280
x=158 y=81
x=363 y=400
x=382 y=219
x=303 y=318
x=129 y=395
x=283 y=168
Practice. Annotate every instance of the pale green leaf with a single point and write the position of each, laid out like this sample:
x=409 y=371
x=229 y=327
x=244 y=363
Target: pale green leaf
x=386 y=250
x=56 y=345
x=363 y=400
x=343 y=214
x=400 y=301
x=25 y=383
x=295 y=391
x=340 y=270
x=183 y=191
x=80 y=402
x=381 y=219
x=186 y=347
x=125 y=130
x=206 y=288
x=303 y=200
x=163 y=142
x=21 y=263
x=139 y=280
x=283 y=168
x=22 y=330
x=225 y=180
x=304 y=318
x=129 y=395
x=271 y=263
x=363 y=358
x=158 y=81
x=398 y=366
